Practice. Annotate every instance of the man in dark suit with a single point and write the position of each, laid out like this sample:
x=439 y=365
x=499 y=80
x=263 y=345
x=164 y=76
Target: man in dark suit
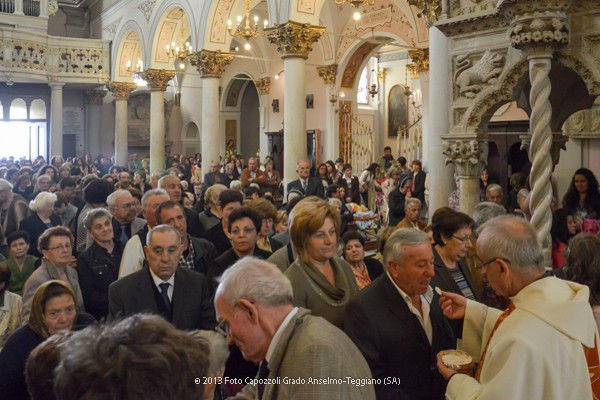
x=397 y=323
x=212 y=177
x=310 y=186
x=181 y=296
x=172 y=185
x=126 y=224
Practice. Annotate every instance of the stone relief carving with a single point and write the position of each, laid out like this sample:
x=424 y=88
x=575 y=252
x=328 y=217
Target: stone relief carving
x=590 y=76
x=474 y=24
x=465 y=154
x=294 y=39
x=52 y=7
x=211 y=63
x=146 y=9
x=501 y=93
x=472 y=78
x=138 y=117
x=465 y=7
x=112 y=28
x=540 y=31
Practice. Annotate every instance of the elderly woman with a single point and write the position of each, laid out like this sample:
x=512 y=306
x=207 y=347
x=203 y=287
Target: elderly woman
x=452 y=231
x=365 y=269
x=583 y=266
x=139 y=181
x=43 y=217
x=53 y=310
x=272 y=180
x=98 y=265
x=13 y=208
x=322 y=282
x=23 y=186
x=56 y=246
x=211 y=215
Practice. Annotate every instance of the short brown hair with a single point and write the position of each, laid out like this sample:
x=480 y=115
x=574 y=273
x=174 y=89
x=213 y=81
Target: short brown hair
x=44 y=239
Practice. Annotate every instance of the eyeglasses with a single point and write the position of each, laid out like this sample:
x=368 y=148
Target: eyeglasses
x=246 y=231
x=485 y=264
x=462 y=239
x=61 y=247
x=223 y=328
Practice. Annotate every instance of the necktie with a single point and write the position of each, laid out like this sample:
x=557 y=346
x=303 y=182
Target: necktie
x=164 y=287
x=502 y=317
x=263 y=373
x=123 y=238
x=304 y=185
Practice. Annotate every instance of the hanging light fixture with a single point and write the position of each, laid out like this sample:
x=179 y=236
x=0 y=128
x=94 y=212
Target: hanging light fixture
x=355 y=4
x=179 y=51
x=373 y=88
x=248 y=32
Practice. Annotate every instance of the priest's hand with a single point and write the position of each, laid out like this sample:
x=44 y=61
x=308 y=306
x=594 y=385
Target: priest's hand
x=453 y=305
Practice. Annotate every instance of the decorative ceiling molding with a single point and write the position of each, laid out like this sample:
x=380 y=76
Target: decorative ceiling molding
x=146 y=9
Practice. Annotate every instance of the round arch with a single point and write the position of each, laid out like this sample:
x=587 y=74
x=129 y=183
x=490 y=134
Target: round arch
x=167 y=24
x=129 y=47
x=191 y=142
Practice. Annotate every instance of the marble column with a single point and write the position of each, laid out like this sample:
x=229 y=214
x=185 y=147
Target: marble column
x=121 y=92
x=93 y=120
x=441 y=181
x=210 y=65
x=263 y=86
x=157 y=79
x=539 y=34
x=294 y=42
x=56 y=119
x=331 y=139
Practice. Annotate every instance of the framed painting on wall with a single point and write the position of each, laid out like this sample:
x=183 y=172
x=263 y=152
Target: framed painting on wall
x=397 y=116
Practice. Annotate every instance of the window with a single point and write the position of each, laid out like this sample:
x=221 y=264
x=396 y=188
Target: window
x=18 y=109
x=37 y=109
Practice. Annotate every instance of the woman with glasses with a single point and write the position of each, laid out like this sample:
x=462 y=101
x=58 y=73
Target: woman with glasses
x=43 y=217
x=56 y=246
x=53 y=311
x=244 y=224
x=452 y=234
x=322 y=282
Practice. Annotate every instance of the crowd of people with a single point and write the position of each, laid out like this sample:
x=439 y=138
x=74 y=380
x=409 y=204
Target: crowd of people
x=228 y=285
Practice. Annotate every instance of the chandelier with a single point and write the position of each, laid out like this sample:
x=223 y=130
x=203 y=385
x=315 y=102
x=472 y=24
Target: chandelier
x=248 y=32
x=355 y=4
x=180 y=51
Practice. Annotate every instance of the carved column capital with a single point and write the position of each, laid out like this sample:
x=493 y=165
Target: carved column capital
x=294 y=39
x=95 y=96
x=328 y=73
x=420 y=59
x=263 y=85
x=468 y=154
x=121 y=90
x=428 y=9
x=211 y=64
x=157 y=79
x=538 y=27
x=559 y=142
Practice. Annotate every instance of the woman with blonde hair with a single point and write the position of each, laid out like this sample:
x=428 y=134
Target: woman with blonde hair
x=322 y=281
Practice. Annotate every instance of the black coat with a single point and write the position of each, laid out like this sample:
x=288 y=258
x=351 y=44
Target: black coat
x=396 y=205
x=191 y=304
x=35 y=227
x=394 y=343
x=97 y=269
x=314 y=187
